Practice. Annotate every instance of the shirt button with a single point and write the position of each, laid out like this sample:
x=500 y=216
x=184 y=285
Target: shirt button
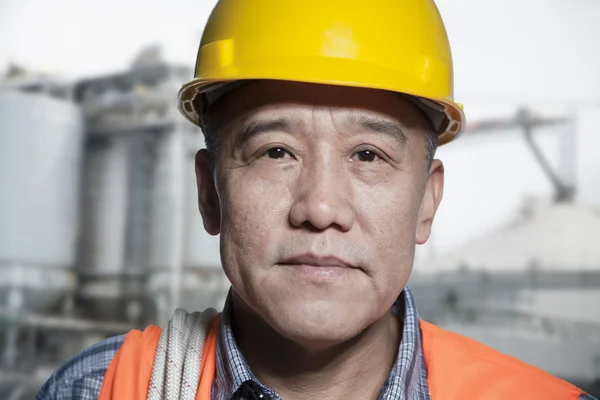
x=255 y=391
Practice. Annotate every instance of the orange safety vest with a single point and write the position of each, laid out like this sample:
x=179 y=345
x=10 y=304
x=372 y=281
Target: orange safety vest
x=458 y=368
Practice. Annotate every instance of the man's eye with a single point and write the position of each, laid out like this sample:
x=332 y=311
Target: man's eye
x=365 y=156
x=277 y=152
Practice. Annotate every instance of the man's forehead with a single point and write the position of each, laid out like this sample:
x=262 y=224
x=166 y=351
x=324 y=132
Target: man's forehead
x=345 y=121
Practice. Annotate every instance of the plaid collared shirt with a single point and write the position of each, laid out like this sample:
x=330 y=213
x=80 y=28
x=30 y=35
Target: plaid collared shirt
x=81 y=377
x=407 y=379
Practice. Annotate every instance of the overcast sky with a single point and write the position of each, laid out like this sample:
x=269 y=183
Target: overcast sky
x=537 y=52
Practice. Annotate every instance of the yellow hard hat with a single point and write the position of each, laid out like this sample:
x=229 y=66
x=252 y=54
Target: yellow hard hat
x=394 y=45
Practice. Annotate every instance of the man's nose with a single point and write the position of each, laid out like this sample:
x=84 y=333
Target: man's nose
x=323 y=197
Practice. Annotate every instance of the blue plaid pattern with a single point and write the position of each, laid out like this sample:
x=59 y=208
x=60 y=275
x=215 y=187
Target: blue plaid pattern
x=81 y=377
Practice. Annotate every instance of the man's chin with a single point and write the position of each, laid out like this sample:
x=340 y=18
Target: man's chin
x=317 y=327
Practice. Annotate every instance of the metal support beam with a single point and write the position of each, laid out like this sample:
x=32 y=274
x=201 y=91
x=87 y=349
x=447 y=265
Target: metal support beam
x=563 y=191
x=526 y=120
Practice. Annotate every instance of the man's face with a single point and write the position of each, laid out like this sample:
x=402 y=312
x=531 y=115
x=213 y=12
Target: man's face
x=320 y=194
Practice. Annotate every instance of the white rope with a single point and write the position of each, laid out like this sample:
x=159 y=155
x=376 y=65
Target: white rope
x=176 y=368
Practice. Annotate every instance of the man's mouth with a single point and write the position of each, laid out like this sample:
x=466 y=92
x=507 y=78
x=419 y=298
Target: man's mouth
x=320 y=268
x=313 y=260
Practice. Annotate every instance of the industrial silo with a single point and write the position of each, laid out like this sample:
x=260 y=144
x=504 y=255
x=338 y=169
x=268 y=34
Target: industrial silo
x=143 y=248
x=184 y=260
x=125 y=114
x=40 y=156
x=105 y=204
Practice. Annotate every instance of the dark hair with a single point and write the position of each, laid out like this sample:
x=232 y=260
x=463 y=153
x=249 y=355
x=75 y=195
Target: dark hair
x=432 y=140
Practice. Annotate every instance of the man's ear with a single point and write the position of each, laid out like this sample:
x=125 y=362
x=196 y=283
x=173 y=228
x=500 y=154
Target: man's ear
x=434 y=189
x=208 y=199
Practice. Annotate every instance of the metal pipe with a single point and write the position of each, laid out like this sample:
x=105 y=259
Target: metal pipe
x=562 y=191
x=64 y=323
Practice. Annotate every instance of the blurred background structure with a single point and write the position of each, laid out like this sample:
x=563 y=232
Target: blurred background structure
x=102 y=234
x=99 y=226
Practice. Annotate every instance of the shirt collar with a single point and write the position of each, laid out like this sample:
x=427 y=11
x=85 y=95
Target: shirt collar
x=407 y=379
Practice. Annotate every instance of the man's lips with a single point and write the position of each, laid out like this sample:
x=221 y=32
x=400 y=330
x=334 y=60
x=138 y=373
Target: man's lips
x=321 y=261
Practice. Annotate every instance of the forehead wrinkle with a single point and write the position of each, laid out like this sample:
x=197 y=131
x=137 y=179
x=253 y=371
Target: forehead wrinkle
x=378 y=125
x=259 y=125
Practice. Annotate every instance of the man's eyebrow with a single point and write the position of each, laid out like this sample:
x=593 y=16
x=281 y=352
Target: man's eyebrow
x=380 y=125
x=258 y=127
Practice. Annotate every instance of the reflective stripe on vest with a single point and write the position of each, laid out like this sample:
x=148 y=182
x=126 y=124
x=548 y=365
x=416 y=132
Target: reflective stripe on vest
x=458 y=368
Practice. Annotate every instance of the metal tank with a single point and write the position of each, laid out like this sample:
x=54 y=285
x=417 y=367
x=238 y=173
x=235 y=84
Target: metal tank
x=184 y=260
x=105 y=206
x=125 y=114
x=40 y=156
x=143 y=242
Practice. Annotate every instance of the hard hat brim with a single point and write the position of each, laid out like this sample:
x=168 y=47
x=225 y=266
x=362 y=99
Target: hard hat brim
x=329 y=71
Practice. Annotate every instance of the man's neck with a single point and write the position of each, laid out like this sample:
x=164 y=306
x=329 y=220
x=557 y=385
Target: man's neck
x=356 y=369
